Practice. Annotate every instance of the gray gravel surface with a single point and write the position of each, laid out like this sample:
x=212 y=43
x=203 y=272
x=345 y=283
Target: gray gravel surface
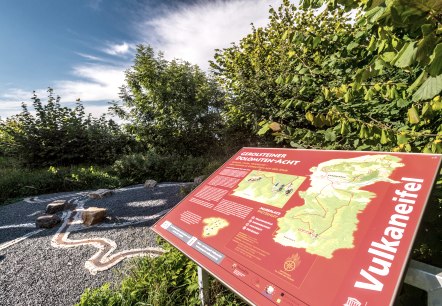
x=32 y=272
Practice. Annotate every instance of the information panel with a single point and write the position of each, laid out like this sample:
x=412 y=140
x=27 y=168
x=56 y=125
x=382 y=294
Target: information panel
x=306 y=227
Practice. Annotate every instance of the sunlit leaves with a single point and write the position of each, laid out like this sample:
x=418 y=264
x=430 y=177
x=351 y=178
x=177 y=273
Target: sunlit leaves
x=173 y=105
x=406 y=56
x=430 y=88
x=435 y=66
x=413 y=116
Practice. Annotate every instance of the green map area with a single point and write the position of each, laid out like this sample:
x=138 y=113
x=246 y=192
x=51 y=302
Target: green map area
x=270 y=188
x=327 y=220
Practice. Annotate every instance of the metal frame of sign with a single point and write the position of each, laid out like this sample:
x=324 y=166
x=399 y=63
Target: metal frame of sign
x=306 y=227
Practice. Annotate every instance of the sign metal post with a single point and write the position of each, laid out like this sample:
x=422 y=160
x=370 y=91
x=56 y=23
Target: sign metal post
x=203 y=283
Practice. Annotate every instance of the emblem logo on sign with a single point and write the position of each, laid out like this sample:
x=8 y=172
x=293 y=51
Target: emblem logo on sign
x=292 y=262
x=352 y=302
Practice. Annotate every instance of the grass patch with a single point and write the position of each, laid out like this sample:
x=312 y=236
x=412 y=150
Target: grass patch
x=17 y=182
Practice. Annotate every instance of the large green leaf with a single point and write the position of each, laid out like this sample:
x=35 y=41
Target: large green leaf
x=435 y=67
x=430 y=88
x=373 y=14
x=330 y=135
x=406 y=56
x=425 y=48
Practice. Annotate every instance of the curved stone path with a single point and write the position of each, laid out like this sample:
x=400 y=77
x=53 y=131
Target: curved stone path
x=55 y=266
x=103 y=259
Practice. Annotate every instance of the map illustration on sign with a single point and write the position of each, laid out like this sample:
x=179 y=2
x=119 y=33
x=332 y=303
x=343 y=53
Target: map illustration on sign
x=270 y=188
x=213 y=226
x=327 y=220
x=279 y=225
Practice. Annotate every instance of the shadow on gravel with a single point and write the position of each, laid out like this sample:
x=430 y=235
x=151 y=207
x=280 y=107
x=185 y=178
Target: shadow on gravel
x=125 y=207
x=2 y=257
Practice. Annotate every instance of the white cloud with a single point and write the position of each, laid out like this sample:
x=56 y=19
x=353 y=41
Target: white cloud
x=118 y=49
x=95 y=83
x=98 y=82
x=193 y=32
x=190 y=32
x=11 y=100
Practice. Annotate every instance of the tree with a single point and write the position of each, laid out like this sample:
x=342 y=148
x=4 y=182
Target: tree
x=172 y=106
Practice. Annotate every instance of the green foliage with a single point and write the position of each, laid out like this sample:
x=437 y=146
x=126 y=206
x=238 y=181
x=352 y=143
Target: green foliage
x=17 y=182
x=136 y=168
x=173 y=107
x=428 y=246
x=58 y=135
x=169 y=279
x=404 y=68
x=279 y=75
x=324 y=82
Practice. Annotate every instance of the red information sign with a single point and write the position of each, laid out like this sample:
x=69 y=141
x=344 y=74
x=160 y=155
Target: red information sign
x=304 y=227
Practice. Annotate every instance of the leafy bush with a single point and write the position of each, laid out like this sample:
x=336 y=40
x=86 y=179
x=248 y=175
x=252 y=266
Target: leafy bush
x=169 y=279
x=316 y=80
x=58 y=135
x=136 y=168
x=163 y=280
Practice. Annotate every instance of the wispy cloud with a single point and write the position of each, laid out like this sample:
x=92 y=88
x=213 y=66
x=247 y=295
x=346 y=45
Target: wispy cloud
x=187 y=31
x=91 y=57
x=11 y=100
x=193 y=32
x=97 y=82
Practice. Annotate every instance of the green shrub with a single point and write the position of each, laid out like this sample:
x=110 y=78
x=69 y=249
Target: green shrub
x=17 y=182
x=58 y=135
x=136 y=168
x=169 y=279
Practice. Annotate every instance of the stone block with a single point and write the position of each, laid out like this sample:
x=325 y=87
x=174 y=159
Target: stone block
x=47 y=221
x=198 y=180
x=150 y=184
x=93 y=215
x=100 y=193
x=56 y=206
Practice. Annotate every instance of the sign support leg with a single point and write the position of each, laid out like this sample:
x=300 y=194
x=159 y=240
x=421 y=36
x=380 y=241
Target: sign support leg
x=428 y=278
x=203 y=282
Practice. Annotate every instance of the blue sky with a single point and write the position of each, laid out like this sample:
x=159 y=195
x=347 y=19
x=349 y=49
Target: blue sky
x=81 y=48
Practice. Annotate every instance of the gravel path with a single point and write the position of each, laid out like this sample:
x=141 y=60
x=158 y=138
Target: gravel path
x=34 y=272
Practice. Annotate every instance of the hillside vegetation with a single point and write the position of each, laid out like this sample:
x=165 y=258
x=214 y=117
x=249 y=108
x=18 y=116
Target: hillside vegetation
x=354 y=75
